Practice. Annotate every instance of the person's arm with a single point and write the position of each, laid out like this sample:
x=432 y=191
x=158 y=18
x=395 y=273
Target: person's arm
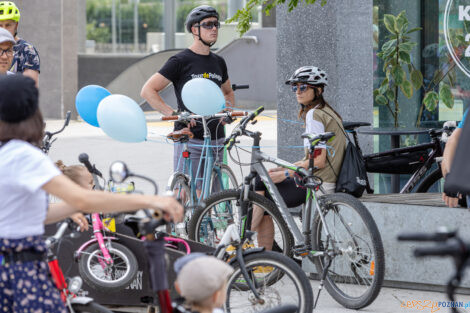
x=449 y=151
x=90 y=201
x=278 y=174
x=150 y=92
x=228 y=93
x=32 y=74
x=448 y=157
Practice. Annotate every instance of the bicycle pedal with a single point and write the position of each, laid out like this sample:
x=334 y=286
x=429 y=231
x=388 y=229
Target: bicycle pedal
x=301 y=250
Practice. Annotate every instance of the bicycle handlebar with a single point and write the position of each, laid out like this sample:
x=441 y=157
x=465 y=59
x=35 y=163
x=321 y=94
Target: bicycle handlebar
x=240 y=129
x=84 y=159
x=454 y=248
x=195 y=116
x=235 y=87
x=436 y=237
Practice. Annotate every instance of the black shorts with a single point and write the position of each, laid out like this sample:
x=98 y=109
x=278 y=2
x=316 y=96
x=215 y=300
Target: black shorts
x=292 y=195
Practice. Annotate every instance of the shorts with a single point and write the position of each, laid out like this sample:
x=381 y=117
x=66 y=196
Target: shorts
x=195 y=150
x=27 y=286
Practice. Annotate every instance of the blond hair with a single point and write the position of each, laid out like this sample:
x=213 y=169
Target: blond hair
x=72 y=171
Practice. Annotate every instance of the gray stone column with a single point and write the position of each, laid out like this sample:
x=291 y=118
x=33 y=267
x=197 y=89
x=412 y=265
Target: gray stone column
x=51 y=26
x=338 y=39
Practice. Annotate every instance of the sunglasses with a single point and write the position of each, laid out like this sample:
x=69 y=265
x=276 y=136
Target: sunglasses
x=210 y=25
x=302 y=87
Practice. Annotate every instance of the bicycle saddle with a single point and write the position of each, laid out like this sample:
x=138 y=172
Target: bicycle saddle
x=322 y=137
x=182 y=135
x=354 y=125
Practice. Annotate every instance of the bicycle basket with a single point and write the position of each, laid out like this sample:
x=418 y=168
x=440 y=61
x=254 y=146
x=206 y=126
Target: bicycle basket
x=399 y=163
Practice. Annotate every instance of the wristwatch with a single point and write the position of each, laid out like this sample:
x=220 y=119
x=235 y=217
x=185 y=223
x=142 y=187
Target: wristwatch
x=287 y=173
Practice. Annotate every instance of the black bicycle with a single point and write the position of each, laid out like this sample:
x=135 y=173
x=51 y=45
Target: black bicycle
x=448 y=243
x=415 y=160
x=47 y=140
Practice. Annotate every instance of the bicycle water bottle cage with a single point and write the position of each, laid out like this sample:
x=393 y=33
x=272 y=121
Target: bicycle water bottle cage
x=182 y=135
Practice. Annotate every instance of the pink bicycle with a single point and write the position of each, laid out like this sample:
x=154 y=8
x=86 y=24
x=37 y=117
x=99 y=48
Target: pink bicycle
x=103 y=262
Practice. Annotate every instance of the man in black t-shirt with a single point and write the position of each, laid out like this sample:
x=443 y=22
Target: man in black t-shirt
x=194 y=62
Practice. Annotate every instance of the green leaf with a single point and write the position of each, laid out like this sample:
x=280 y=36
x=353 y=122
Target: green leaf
x=407 y=46
x=401 y=22
x=390 y=95
x=405 y=57
x=407 y=89
x=410 y=68
x=389 y=44
x=416 y=79
x=398 y=74
x=431 y=99
x=381 y=100
x=446 y=96
x=376 y=93
x=390 y=23
x=384 y=86
x=413 y=30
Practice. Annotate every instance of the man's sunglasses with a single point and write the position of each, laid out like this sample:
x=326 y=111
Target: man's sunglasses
x=210 y=25
x=8 y=52
x=302 y=87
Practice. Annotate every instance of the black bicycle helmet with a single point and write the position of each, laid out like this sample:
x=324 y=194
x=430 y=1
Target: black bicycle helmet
x=311 y=75
x=198 y=14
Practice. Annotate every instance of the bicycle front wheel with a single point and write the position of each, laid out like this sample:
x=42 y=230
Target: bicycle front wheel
x=278 y=280
x=208 y=223
x=354 y=248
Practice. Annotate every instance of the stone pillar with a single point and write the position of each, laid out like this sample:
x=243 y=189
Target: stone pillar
x=338 y=39
x=169 y=23
x=51 y=26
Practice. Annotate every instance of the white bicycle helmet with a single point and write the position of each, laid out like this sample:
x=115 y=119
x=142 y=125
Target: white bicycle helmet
x=311 y=75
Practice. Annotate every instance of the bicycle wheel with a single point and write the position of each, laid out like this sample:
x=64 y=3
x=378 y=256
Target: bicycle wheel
x=432 y=182
x=180 y=187
x=223 y=181
x=357 y=268
x=209 y=222
x=278 y=280
x=108 y=277
x=91 y=307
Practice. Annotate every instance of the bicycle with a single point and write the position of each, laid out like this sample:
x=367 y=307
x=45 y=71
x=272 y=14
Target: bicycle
x=448 y=244
x=256 y=271
x=47 y=140
x=416 y=160
x=341 y=228
x=70 y=289
x=215 y=175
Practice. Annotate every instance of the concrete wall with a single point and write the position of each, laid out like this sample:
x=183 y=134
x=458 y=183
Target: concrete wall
x=337 y=38
x=54 y=33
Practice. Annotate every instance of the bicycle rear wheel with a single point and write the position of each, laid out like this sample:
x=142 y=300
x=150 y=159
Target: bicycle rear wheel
x=208 y=223
x=278 y=280
x=432 y=182
x=357 y=269
x=222 y=178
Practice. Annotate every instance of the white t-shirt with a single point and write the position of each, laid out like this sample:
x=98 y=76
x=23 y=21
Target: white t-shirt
x=24 y=169
x=313 y=127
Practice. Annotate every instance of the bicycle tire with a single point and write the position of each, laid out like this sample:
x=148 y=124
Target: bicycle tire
x=91 y=307
x=180 y=180
x=284 y=239
x=429 y=181
x=103 y=284
x=355 y=249
x=280 y=275
x=227 y=171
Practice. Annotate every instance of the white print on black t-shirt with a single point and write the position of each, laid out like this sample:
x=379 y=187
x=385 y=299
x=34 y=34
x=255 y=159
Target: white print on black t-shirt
x=207 y=75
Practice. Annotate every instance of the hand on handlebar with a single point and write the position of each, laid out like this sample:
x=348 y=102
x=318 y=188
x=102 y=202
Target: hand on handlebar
x=80 y=220
x=172 y=209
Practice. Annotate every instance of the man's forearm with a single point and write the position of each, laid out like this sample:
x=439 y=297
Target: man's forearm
x=157 y=103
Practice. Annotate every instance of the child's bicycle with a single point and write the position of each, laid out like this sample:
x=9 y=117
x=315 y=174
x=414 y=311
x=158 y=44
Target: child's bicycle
x=70 y=288
x=262 y=279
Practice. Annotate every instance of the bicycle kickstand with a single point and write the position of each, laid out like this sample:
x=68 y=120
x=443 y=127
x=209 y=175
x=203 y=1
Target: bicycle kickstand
x=323 y=277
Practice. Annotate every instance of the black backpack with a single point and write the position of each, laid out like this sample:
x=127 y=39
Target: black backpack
x=352 y=177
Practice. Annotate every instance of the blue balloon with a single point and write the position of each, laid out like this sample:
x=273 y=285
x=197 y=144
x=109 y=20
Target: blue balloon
x=87 y=101
x=121 y=118
x=202 y=96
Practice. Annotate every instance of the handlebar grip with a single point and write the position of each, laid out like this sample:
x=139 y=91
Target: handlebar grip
x=231 y=142
x=84 y=159
x=421 y=237
x=449 y=249
x=235 y=87
x=239 y=113
x=170 y=118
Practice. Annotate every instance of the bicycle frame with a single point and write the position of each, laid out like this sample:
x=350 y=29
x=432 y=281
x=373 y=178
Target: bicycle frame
x=436 y=152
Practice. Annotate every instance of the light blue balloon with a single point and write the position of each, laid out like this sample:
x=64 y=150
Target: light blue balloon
x=87 y=101
x=202 y=96
x=122 y=119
